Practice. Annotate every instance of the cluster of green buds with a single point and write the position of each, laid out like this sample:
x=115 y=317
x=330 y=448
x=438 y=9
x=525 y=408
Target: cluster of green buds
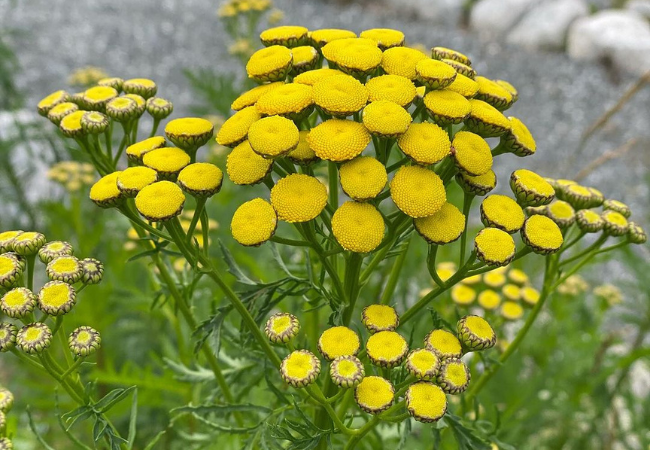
x=35 y=317
x=6 y=403
x=385 y=370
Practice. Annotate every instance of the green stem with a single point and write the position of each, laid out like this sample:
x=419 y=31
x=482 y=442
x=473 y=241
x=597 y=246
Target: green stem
x=600 y=241
x=200 y=204
x=291 y=242
x=72 y=368
x=431 y=265
x=573 y=242
x=156 y=122
x=351 y=285
x=467 y=203
x=393 y=278
x=31 y=261
x=400 y=225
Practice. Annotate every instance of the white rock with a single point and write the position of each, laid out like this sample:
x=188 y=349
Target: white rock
x=496 y=17
x=640 y=6
x=620 y=36
x=546 y=25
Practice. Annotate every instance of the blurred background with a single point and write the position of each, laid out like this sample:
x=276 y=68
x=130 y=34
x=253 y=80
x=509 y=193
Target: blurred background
x=582 y=69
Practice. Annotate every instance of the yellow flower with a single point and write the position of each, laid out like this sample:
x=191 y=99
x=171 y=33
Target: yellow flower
x=347 y=371
x=502 y=212
x=290 y=100
x=327 y=35
x=167 y=161
x=304 y=58
x=512 y=310
x=11 y=268
x=530 y=188
x=34 y=338
x=617 y=206
x=442 y=227
x=363 y=178
x=518 y=276
x=340 y=95
x=393 y=88
x=495 y=278
x=542 y=235
x=529 y=295
x=122 y=109
x=615 y=223
x=298 y=198
x=97 y=97
x=417 y=192
x=56 y=297
x=57 y=113
x=402 y=61
x=446 y=270
x=493 y=93
x=463 y=295
x=7 y=336
x=49 y=102
x=579 y=197
x=313 y=76
x=494 y=247
x=17 y=303
x=485 y=120
x=105 y=192
x=379 y=318
x=28 y=243
x=269 y=64
x=447 y=107
x=235 y=129
x=140 y=103
x=511 y=292
x=426 y=143
x=355 y=56
x=454 y=376
x=143 y=87
x=132 y=180
x=303 y=154
x=189 y=133
x=287 y=35
x=93 y=122
x=300 y=368
x=114 y=82
x=358 y=227
x=443 y=344
x=273 y=136
x=136 y=151
x=434 y=74
x=636 y=234
x=282 y=327
x=426 y=402
x=54 y=249
x=64 y=268
x=70 y=125
x=374 y=394
x=386 y=119
x=338 y=341
x=254 y=222
x=447 y=53
x=244 y=166
x=250 y=98
x=384 y=37
x=462 y=69
x=510 y=88
x=561 y=213
x=464 y=86
x=518 y=139
x=423 y=364
x=489 y=299
x=84 y=341
x=160 y=201
x=479 y=185
x=338 y=140
x=200 y=179
x=472 y=154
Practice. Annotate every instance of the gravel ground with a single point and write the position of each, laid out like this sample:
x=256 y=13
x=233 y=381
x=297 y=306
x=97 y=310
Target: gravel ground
x=559 y=98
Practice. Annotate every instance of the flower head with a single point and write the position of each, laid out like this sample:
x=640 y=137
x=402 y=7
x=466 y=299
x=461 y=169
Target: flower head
x=70 y=125
x=475 y=333
x=8 y=333
x=542 y=235
x=434 y=74
x=347 y=371
x=84 y=341
x=615 y=224
x=300 y=368
x=338 y=140
x=167 y=161
x=511 y=310
x=529 y=295
x=159 y=108
x=447 y=107
x=530 y=188
x=282 y=327
x=143 y=87
x=453 y=376
x=34 y=338
x=489 y=299
x=374 y=394
x=6 y=400
x=244 y=166
x=7 y=240
x=136 y=151
x=61 y=110
x=425 y=143
x=311 y=77
x=11 y=268
x=423 y=364
x=97 y=97
x=298 y=198
x=140 y=104
x=478 y=185
x=589 y=221
x=379 y=318
x=304 y=58
x=471 y=153
x=363 y=178
x=495 y=278
x=189 y=133
x=386 y=119
x=619 y=207
x=338 y=341
x=292 y=100
x=386 y=349
x=494 y=247
x=273 y=136
x=326 y=35
x=250 y=98
x=580 y=197
x=561 y=213
x=463 y=295
x=105 y=193
x=254 y=222
x=28 y=243
x=394 y=88
x=636 y=234
x=132 y=180
x=500 y=211
x=94 y=122
x=354 y=56
x=417 y=192
x=340 y=95
x=510 y=88
x=64 y=268
x=269 y=64
x=287 y=35
x=485 y=120
x=18 y=302
x=384 y=37
x=447 y=53
x=358 y=227
x=493 y=93
x=114 y=82
x=122 y=109
x=463 y=69
x=56 y=298
x=235 y=129
x=402 y=61
x=49 y=102
x=160 y=201
x=426 y=402
x=518 y=276
x=444 y=226
x=464 y=86
x=518 y=139
x=92 y=271
x=444 y=344
x=200 y=179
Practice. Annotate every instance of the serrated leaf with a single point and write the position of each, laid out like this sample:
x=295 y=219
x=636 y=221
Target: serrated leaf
x=233 y=268
x=111 y=399
x=184 y=373
x=224 y=428
x=221 y=409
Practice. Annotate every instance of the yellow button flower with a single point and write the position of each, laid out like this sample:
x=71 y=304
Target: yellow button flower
x=589 y=221
x=338 y=140
x=269 y=64
x=244 y=166
x=201 y=179
x=434 y=74
x=140 y=86
x=417 y=192
x=303 y=154
x=6 y=240
x=122 y=109
x=511 y=292
x=561 y=213
x=374 y=394
x=338 y=341
x=363 y=178
x=379 y=318
x=489 y=299
x=402 y=61
x=493 y=93
x=160 y=201
x=136 y=151
x=447 y=53
x=105 y=192
x=426 y=402
x=64 y=268
x=250 y=98
x=298 y=198
x=454 y=376
x=442 y=227
x=235 y=129
x=273 y=136
x=636 y=234
x=291 y=100
x=18 y=302
x=347 y=371
x=463 y=295
x=189 y=133
x=358 y=227
x=446 y=270
x=502 y=212
x=94 y=122
x=472 y=154
x=485 y=120
x=447 y=107
x=282 y=327
x=70 y=125
x=288 y=35
x=49 y=102
x=300 y=368
x=61 y=110
x=464 y=86
x=494 y=247
x=84 y=341
x=384 y=37
x=423 y=364
x=386 y=119
x=518 y=276
x=615 y=223
x=393 y=88
x=11 y=268
x=340 y=95
x=304 y=58
x=355 y=56
x=530 y=188
x=56 y=298
x=444 y=344
x=518 y=139
x=530 y=295
x=254 y=222
x=617 y=206
x=114 y=82
x=327 y=35
x=8 y=333
x=495 y=279
x=425 y=143
x=462 y=69
x=512 y=311
x=131 y=181
x=54 y=249
x=28 y=243
x=510 y=88
x=479 y=185
x=542 y=235
x=472 y=280
x=167 y=161
x=97 y=97
x=313 y=76
x=34 y=338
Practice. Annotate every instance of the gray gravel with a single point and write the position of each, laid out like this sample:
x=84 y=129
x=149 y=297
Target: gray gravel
x=559 y=98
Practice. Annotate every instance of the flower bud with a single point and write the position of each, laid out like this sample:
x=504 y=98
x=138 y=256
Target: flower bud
x=94 y=122
x=282 y=328
x=92 y=271
x=159 y=108
x=28 y=243
x=8 y=333
x=84 y=341
x=475 y=333
x=34 y=338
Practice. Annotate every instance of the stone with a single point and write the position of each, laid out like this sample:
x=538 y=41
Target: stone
x=620 y=36
x=434 y=11
x=640 y=6
x=494 y=18
x=546 y=25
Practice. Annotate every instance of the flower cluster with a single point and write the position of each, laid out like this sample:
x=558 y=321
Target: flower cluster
x=72 y=175
x=85 y=77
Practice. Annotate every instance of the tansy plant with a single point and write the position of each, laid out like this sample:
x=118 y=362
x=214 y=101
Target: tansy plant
x=362 y=144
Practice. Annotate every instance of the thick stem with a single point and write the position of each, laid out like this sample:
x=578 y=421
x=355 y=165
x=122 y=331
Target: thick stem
x=351 y=286
x=395 y=272
x=467 y=203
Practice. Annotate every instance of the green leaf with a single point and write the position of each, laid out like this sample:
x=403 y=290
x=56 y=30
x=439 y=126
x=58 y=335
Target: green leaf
x=155 y=440
x=184 y=373
x=233 y=268
x=211 y=327
x=111 y=399
x=133 y=421
x=226 y=429
x=35 y=431
x=220 y=409
x=465 y=437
